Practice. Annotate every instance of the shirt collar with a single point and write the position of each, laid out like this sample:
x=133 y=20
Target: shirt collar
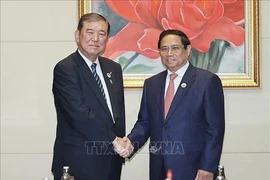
x=88 y=62
x=180 y=72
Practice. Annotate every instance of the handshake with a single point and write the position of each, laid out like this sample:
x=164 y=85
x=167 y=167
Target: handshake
x=123 y=146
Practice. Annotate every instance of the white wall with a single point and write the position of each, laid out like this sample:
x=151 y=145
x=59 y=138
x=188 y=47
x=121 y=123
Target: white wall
x=35 y=35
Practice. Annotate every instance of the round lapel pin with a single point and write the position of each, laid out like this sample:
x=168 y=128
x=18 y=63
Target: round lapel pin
x=183 y=85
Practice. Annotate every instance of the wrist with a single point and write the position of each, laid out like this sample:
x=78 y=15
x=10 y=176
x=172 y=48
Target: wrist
x=115 y=140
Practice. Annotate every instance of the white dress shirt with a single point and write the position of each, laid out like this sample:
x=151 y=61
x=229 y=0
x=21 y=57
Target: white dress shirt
x=100 y=74
x=177 y=80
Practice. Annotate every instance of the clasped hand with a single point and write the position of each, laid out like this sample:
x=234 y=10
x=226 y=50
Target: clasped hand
x=123 y=146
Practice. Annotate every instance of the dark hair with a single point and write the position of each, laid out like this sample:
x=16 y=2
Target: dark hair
x=184 y=39
x=92 y=17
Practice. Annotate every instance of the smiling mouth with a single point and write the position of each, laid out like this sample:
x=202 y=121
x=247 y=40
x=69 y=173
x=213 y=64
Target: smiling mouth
x=94 y=46
x=170 y=60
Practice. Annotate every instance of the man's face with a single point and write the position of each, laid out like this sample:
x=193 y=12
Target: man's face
x=92 y=38
x=172 y=52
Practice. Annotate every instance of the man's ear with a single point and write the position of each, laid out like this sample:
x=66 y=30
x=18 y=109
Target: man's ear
x=189 y=51
x=77 y=35
x=107 y=39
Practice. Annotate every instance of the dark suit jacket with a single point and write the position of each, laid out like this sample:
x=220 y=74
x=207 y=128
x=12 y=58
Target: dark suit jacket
x=85 y=127
x=191 y=136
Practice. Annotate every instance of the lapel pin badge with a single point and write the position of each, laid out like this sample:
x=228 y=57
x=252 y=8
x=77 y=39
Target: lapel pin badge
x=109 y=75
x=183 y=85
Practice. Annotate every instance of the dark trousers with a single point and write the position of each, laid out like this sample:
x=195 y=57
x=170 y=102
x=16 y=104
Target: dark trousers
x=162 y=175
x=114 y=174
x=116 y=168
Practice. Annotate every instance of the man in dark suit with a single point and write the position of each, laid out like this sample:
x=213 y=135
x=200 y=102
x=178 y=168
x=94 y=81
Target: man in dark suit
x=182 y=111
x=89 y=100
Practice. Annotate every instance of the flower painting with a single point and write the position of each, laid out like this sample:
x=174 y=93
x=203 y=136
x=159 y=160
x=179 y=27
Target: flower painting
x=217 y=30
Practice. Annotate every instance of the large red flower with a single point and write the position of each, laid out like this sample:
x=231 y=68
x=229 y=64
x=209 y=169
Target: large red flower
x=202 y=20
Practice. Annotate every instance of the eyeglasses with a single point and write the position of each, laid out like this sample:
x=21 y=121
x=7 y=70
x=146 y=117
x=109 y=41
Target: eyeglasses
x=174 y=49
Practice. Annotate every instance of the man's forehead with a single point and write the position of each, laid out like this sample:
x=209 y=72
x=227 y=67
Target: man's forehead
x=95 y=25
x=171 y=42
x=91 y=22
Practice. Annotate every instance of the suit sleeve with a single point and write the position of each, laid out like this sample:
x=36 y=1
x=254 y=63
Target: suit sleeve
x=70 y=98
x=120 y=105
x=141 y=130
x=215 y=120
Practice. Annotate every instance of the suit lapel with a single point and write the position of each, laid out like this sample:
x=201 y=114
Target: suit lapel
x=107 y=74
x=160 y=93
x=184 y=86
x=89 y=78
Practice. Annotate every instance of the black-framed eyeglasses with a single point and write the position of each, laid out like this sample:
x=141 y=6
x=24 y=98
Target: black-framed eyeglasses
x=174 y=49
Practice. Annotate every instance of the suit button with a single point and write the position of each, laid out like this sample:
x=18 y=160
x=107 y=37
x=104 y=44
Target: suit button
x=163 y=127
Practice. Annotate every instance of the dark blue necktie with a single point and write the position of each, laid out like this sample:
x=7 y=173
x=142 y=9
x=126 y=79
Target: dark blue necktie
x=93 y=66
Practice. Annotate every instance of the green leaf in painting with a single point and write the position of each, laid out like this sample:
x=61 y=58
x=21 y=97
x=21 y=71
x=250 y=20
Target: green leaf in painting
x=122 y=61
x=139 y=68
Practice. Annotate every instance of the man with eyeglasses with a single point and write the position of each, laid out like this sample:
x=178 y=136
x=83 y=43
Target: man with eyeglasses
x=182 y=111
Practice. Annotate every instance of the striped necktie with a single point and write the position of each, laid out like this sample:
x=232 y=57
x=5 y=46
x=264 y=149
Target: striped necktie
x=93 y=67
